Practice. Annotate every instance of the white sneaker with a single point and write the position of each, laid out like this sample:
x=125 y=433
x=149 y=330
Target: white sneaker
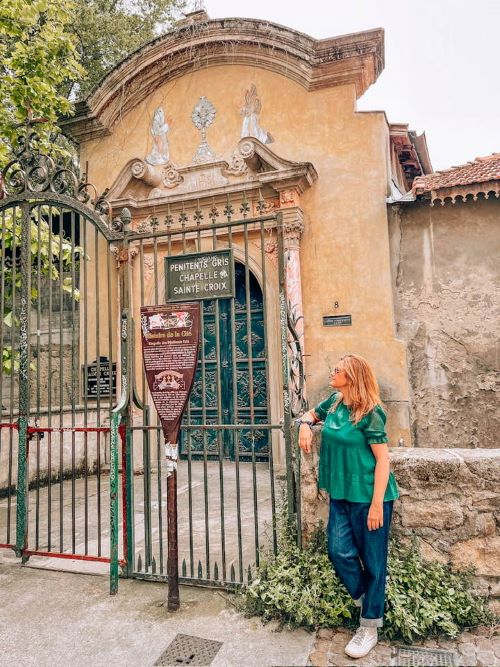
x=362 y=642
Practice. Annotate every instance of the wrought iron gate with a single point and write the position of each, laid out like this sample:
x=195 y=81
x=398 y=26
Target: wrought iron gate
x=58 y=306
x=236 y=464
x=76 y=422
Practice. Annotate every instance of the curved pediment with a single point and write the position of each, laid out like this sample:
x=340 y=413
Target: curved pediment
x=356 y=59
x=251 y=166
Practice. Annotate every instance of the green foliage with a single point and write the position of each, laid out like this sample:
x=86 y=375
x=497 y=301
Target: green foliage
x=54 y=50
x=426 y=598
x=109 y=30
x=51 y=255
x=37 y=58
x=299 y=588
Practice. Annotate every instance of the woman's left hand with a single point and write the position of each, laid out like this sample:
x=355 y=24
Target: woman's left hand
x=375 y=516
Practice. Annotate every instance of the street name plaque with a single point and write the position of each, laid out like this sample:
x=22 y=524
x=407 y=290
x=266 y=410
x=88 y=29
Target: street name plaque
x=207 y=275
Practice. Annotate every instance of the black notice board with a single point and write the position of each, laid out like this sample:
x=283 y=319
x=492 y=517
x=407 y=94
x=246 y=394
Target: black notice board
x=198 y=276
x=97 y=380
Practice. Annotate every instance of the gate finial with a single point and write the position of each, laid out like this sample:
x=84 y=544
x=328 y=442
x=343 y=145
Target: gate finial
x=121 y=222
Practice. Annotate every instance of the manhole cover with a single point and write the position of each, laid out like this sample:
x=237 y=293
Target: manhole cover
x=424 y=657
x=189 y=650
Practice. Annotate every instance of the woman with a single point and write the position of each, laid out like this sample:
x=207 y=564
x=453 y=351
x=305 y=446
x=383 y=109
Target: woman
x=354 y=469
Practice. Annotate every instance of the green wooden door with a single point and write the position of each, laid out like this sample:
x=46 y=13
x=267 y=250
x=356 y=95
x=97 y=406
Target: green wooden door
x=231 y=379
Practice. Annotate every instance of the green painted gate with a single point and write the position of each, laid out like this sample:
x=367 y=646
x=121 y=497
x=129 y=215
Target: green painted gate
x=238 y=464
x=58 y=426
x=81 y=451
x=243 y=385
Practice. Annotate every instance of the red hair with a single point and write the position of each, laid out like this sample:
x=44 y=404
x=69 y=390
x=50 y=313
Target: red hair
x=365 y=393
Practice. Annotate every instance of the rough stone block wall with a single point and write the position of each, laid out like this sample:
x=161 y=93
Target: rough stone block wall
x=449 y=498
x=446 y=278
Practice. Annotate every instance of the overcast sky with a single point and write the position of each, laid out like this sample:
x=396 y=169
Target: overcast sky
x=441 y=62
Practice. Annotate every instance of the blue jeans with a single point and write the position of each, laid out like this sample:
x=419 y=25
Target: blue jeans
x=359 y=555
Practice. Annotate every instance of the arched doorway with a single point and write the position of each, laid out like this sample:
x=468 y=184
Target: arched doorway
x=231 y=384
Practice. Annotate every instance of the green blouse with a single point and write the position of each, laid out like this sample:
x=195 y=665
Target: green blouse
x=346 y=461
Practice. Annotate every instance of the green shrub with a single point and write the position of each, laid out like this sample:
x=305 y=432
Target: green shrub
x=426 y=598
x=298 y=587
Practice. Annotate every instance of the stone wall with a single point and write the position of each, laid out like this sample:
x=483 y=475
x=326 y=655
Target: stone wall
x=446 y=278
x=449 y=498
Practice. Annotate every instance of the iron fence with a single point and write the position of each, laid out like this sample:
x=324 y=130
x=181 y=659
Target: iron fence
x=76 y=420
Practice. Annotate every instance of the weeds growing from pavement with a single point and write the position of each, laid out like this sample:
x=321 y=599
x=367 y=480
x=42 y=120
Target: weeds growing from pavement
x=299 y=588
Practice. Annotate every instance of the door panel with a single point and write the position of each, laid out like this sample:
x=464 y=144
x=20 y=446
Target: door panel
x=220 y=366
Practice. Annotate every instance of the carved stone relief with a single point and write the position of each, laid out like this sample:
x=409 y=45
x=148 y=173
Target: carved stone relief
x=171 y=177
x=236 y=166
x=289 y=198
x=148 y=267
x=159 y=128
x=203 y=116
x=269 y=205
x=251 y=167
x=270 y=247
x=250 y=126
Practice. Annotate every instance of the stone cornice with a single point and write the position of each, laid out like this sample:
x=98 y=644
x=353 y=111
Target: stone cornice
x=452 y=194
x=469 y=192
x=355 y=59
x=264 y=169
x=274 y=170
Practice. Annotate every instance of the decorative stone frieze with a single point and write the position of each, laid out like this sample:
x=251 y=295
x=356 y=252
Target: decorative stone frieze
x=265 y=206
x=252 y=166
x=355 y=59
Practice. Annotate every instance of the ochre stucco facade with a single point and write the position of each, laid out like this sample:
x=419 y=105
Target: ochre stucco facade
x=338 y=215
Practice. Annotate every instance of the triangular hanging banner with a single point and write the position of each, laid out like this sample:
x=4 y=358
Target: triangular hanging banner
x=170 y=337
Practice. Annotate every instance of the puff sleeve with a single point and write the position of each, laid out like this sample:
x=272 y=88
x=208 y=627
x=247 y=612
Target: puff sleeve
x=321 y=410
x=374 y=428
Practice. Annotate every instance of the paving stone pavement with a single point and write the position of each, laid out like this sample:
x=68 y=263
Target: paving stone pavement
x=475 y=648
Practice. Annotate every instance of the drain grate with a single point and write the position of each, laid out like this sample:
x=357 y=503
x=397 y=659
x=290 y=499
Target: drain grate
x=189 y=650
x=424 y=657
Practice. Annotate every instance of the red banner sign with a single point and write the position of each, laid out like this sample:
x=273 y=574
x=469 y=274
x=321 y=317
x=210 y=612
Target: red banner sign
x=170 y=335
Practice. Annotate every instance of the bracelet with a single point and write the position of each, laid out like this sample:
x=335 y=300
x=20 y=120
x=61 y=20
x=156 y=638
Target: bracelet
x=300 y=421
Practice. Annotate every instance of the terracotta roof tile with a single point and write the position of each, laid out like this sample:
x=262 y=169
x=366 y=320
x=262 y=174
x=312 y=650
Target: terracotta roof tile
x=482 y=169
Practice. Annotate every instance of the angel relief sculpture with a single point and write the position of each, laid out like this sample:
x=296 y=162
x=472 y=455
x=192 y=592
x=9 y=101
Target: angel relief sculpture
x=251 y=117
x=159 y=128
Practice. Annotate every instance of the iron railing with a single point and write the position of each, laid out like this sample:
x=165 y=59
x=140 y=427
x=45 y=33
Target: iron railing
x=76 y=421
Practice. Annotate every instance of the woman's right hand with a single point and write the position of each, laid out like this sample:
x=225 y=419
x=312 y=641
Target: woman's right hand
x=305 y=438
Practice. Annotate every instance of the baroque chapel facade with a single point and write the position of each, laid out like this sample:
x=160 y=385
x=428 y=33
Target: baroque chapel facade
x=261 y=119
